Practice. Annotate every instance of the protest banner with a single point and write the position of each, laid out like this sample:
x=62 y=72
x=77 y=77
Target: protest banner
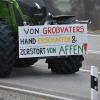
x=52 y=40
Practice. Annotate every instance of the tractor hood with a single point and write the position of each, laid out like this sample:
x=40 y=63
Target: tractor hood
x=35 y=9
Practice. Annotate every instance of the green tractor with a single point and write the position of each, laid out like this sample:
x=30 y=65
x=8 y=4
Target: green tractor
x=14 y=13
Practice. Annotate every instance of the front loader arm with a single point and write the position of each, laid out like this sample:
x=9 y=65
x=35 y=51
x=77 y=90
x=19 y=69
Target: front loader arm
x=8 y=13
x=15 y=3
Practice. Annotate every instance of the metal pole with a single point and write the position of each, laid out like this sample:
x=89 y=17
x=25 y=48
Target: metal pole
x=94 y=83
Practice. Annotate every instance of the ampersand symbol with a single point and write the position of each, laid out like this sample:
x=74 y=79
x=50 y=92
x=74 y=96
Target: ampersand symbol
x=74 y=39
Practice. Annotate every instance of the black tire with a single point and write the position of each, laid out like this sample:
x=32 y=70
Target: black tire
x=68 y=65
x=7 y=50
x=22 y=63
